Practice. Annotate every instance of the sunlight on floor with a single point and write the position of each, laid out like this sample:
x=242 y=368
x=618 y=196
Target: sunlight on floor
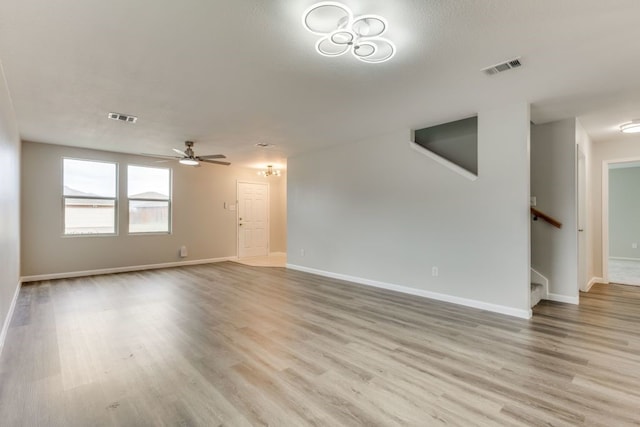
x=273 y=260
x=626 y=272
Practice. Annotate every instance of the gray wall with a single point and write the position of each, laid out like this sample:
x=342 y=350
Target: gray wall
x=378 y=210
x=455 y=141
x=9 y=205
x=199 y=219
x=624 y=212
x=554 y=252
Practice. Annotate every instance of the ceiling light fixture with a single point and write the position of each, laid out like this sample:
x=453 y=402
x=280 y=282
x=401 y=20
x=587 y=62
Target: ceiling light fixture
x=189 y=162
x=342 y=32
x=269 y=172
x=631 y=127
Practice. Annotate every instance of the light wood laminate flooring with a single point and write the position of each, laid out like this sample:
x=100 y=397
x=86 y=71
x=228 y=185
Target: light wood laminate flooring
x=272 y=260
x=233 y=345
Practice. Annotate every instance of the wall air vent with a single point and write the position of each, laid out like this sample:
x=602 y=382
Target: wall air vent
x=123 y=117
x=503 y=66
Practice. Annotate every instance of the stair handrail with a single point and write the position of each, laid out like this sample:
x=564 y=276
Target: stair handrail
x=539 y=214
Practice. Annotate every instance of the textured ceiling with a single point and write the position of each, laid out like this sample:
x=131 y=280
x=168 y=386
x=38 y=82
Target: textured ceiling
x=230 y=74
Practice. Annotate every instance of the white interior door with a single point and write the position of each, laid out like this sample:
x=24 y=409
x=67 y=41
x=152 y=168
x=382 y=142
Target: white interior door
x=253 y=219
x=582 y=221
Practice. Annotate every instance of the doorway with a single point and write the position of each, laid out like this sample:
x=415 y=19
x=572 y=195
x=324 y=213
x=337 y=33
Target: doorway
x=253 y=219
x=621 y=224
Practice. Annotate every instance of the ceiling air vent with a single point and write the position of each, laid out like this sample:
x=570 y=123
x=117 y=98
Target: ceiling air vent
x=503 y=66
x=123 y=117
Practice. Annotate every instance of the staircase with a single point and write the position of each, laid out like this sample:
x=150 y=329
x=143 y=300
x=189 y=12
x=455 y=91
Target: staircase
x=539 y=287
x=537 y=292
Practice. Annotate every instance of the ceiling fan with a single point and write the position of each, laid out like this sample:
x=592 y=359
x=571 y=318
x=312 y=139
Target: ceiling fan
x=188 y=157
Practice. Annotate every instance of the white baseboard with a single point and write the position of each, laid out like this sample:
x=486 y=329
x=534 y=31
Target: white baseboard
x=564 y=298
x=621 y=258
x=71 y=274
x=592 y=282
x=510 y=311
x=7 y=320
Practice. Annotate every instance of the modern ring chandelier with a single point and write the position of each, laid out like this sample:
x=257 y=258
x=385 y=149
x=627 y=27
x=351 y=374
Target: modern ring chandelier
x=631 y=127
x=342 y=32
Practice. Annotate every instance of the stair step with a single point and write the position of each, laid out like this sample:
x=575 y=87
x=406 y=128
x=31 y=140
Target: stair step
x=536 y=286
x=536 y=293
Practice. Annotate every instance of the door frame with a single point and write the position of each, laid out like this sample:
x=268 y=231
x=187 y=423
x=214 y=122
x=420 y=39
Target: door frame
x=582 y=216
x=268 y=207
x=605 y=211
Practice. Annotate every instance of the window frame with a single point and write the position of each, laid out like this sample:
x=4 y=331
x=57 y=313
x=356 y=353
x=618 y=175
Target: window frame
x=168 y=200
x=114 y=199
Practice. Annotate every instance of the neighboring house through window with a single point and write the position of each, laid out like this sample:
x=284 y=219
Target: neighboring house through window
x=149 y=192
x=89 y=197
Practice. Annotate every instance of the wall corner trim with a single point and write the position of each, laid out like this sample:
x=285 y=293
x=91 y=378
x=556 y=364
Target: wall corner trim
x=564 y=298
x=592 y=282
x=68 y=275
x=7 y=320
x=444 y=162
x=501 y=309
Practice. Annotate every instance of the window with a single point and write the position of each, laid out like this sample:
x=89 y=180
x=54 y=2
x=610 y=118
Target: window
x=89 y=196
x=149 y=191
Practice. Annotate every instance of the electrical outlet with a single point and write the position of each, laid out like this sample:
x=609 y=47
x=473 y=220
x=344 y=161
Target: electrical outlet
x=533 y=200
x=634 y=246
x=301 y=252
x=434 y=271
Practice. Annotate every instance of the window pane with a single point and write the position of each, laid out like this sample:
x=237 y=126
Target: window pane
x=148 y=216
x=148 y=183
x=89 y=179
x=86 y=216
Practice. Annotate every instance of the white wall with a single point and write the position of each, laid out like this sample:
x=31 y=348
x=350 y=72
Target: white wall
x=625 y=148
x=380 y=211
x=199 y=219
x=9 y=207
x=554 y=252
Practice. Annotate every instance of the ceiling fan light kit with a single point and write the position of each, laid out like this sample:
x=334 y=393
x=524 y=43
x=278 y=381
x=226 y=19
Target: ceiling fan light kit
x=188 y=156
x=189 y=162
x=631 y=127
x=342 y=32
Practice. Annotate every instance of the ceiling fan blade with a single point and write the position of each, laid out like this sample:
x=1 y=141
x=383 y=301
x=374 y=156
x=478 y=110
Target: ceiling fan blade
x=213 y=156
x=179 y=152
x=215 y=161
x=160 y=156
